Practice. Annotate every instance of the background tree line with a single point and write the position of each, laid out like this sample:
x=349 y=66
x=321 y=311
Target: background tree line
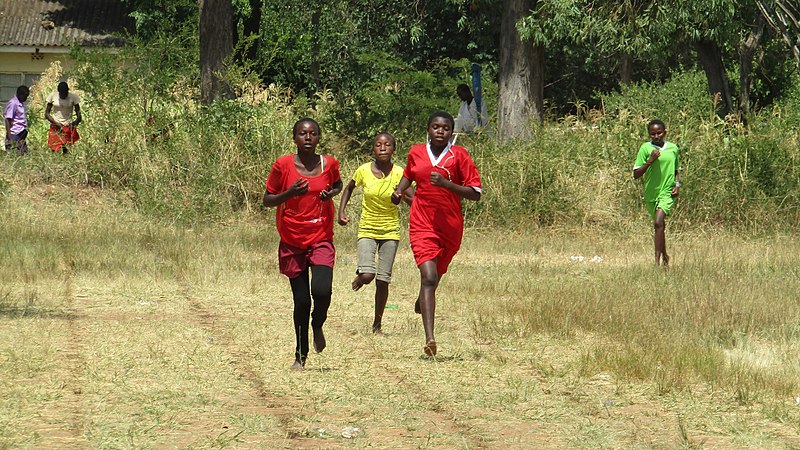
x=570 y=85
x=383 y=60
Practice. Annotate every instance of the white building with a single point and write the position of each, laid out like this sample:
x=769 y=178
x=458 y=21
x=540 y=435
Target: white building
x=34 y=33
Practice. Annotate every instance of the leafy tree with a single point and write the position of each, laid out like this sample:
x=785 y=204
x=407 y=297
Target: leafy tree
x=652 y=31
x=154 y=16
x=348 y=56
x=656 y=34
x=784 y=17
x=708 y=25
x=723 y=30
x=630 y=31
x=316 y=46
x=248 y=35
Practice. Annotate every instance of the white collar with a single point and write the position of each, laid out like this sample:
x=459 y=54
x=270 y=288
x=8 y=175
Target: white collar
x=434 y=159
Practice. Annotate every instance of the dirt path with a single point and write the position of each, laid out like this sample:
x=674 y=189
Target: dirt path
x=260 y=399
x=63 y=424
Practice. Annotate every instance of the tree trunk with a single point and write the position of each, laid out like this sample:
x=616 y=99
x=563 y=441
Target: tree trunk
x=521 y=77
x=216 y=45
x=626 y=69
x=710 y=59
x=746 y=52
x=314 y=69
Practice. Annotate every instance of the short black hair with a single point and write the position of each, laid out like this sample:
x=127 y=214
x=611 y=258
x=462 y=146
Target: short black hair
x=462 y=87
x=656 y=122
x=387 y=134
x=23 y=91
x=63 y=87
x=444 y=115
x=306 y=120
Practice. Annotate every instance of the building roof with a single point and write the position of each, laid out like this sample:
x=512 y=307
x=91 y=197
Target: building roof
x=62 y=23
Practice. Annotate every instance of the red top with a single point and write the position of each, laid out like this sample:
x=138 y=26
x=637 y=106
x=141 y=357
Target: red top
x=306 y=219
x=435 y=209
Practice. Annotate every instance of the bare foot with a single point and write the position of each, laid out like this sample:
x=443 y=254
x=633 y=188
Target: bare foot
x=417 y=308
x=319 y=340
x=376 y=329
x=665 y=261
x=357 y=284
x=298 y=365
x=430 y=348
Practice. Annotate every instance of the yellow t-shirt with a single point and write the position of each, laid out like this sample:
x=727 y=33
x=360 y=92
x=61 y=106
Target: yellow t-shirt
x=379 y=216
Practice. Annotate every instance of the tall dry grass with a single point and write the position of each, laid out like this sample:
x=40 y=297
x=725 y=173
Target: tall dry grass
x=726 y=314
x=118 y=330
x=182 y=162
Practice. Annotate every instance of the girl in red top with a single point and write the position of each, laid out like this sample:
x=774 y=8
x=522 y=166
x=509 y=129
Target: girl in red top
x=302 y=186
x=444 y=174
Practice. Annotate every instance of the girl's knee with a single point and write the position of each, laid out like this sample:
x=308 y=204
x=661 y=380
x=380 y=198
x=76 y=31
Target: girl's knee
x=302 y=302
x=429 y=279
x=321 y=292
x=366 y=278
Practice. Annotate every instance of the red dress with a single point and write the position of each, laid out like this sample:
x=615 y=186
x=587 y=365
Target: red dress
x=68 y=135
x=304 y=220
x=436 y=221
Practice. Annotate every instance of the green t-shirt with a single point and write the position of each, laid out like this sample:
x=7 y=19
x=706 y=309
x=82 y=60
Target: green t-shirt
x=379 y=216
x=660 y=176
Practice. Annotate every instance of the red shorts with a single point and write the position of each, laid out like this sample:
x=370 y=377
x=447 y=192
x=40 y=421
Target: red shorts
x=293 y=260
x=67 y=136
x=428 y=247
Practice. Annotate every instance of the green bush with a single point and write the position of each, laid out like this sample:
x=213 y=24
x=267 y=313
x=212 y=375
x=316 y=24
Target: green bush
x=683 y=98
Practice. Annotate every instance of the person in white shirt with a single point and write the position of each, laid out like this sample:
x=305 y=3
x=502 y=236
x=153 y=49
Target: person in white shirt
x=468 y=119
x=59 y=109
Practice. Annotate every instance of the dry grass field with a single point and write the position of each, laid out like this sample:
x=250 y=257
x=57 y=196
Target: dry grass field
x=119 y=332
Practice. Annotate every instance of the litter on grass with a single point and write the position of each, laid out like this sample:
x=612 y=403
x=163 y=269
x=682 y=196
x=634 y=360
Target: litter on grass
x=581 y=258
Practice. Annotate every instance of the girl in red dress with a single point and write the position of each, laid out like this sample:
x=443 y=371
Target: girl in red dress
x=302 y=186
x=444 y=174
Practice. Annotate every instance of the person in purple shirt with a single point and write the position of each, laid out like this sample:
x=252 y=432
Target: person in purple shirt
x=16 y=122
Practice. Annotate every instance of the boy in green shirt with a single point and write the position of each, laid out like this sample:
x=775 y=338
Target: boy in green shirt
x=658 y=162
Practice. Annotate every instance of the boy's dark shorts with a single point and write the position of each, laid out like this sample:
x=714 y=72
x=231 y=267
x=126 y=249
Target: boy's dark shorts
x=18 y=142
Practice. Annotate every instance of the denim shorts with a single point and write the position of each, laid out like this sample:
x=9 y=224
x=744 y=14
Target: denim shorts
x=386 y=250
x=18 y=142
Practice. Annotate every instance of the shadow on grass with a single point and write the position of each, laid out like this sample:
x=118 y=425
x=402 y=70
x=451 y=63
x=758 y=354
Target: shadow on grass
x=320 y=369
x=24 y=313
x=441 y=359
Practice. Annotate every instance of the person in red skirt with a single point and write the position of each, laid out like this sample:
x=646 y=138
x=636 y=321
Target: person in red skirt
x=444 y=174
x=302 y=187
x=63 y=129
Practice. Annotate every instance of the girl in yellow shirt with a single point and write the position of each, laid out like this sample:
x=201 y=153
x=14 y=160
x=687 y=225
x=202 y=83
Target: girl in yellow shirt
x=379 y=225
